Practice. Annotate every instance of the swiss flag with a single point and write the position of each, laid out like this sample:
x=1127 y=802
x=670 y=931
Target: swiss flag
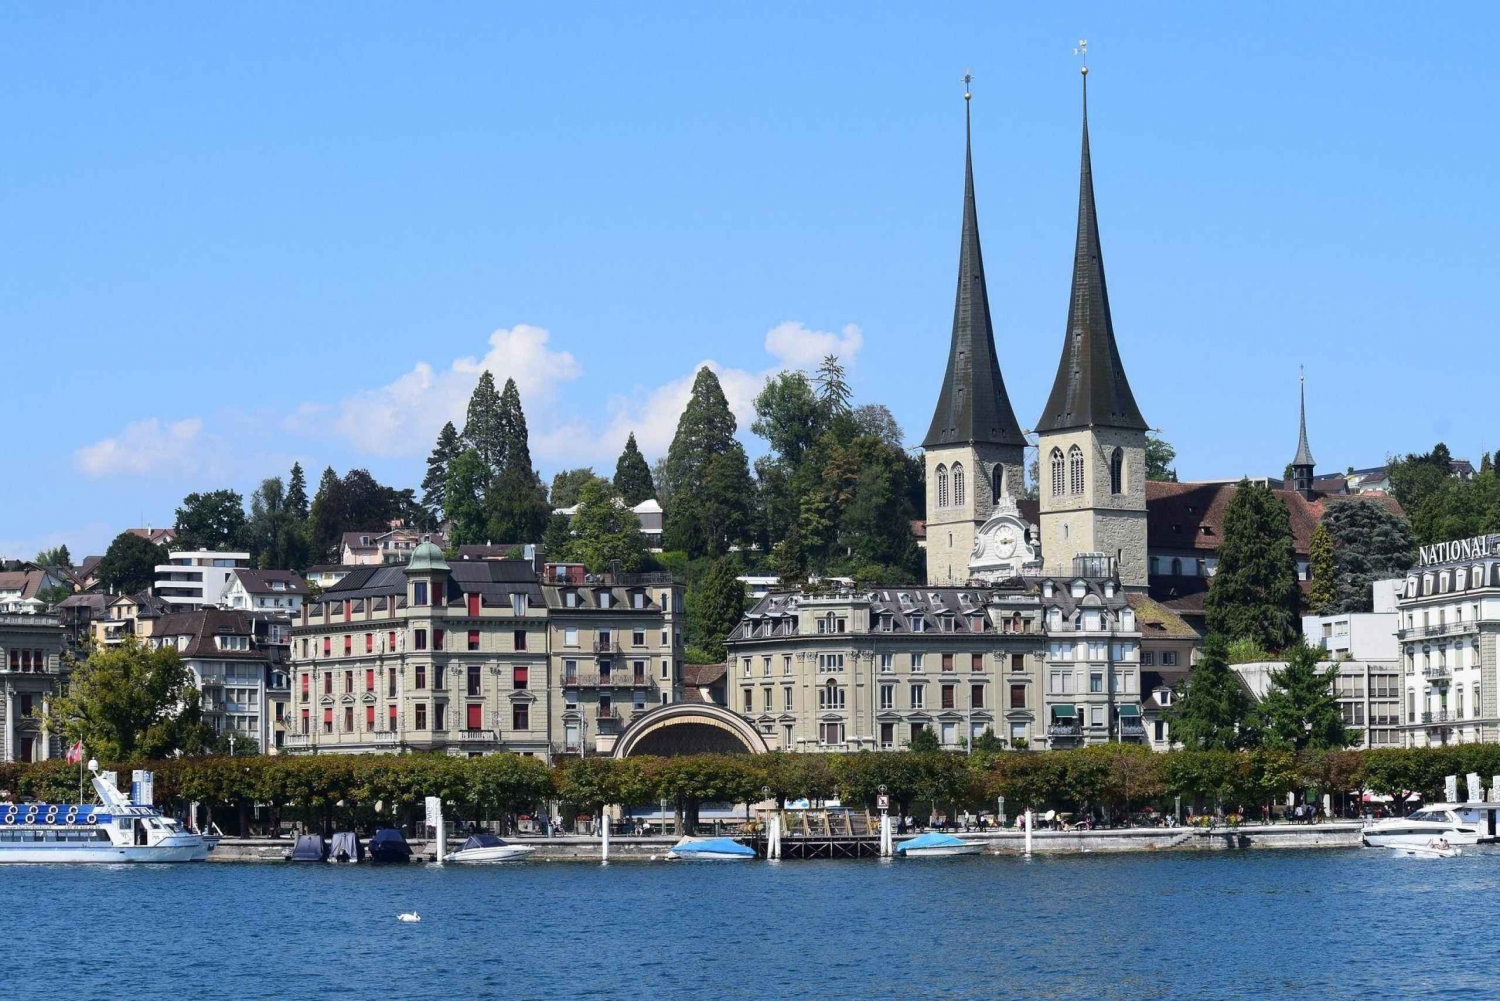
x=75 y=753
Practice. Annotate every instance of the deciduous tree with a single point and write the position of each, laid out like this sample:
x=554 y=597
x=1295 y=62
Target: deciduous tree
x=130 y=703
x=129 y=564
x=214 y=521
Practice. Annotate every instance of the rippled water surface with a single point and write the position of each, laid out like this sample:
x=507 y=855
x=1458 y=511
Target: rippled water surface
x=1184 y=925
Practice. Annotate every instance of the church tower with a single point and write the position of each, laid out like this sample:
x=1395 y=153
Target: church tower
x=1302 y=465
x=974 y=449
x=1091 y=437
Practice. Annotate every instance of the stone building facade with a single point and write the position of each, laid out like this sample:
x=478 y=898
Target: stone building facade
x=31 y=670
x=478 y=657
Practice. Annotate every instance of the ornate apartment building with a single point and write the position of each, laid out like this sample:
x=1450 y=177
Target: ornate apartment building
x=481 y=656
x=31 y=669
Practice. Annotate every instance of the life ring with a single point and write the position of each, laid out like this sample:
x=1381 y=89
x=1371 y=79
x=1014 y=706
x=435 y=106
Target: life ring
x=72 y=818
x=73 y=810
x=31 y=818
x=10 y=818
x=51 y=816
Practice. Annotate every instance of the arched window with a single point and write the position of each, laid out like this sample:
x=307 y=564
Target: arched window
x=1075 y=470
x=958 y=483
x=942 y=486
x=1117 y=471
x=1057 y=472
x=1176 y=567
x=997 y=482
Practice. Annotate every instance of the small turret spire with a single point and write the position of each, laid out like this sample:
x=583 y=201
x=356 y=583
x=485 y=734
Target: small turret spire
x=1303 y=464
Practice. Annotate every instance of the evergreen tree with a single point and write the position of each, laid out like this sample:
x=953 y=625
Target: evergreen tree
x=323 y=517
x=632 y=475
x=567 y=486
x=482 y=424
x=1321 y=569
x=513 y=433
x=605 y=532
x=558 y=536
x=464 y=498
x=1368 y=543
x=57 y=556
x=515 y=508
x=703 y=517
x=355 y=503
x=436 y=480
x=1214 y=711
x=296 y=493
x=1300 y=711
x=715 y=607
x=1254 y=593
x=276 y=535
x=833 y=389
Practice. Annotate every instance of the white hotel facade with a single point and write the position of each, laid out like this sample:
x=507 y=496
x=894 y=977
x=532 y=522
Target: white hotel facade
x=1448 y=618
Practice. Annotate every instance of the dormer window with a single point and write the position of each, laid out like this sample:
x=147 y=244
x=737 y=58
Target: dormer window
x=918 y=624
x=638 y=599
x=1079 y=588
x=570 y=599
x=1046 y=589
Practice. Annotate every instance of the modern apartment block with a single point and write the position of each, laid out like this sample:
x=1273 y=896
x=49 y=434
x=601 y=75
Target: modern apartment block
x=480 y=656
x=197 y=579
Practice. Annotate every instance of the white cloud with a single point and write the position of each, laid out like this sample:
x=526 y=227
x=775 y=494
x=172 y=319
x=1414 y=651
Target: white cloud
x=403 y=417
x=797 y=347
x=144 y=448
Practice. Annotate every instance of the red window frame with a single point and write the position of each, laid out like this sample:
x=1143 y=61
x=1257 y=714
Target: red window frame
x=473 y=605
x=475 y=719
x=473 y=639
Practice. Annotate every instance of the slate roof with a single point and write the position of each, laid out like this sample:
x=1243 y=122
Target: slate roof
x=1304 y=454
x=495 y=580
x=1090 y=389
x=972 y=404
x=202 y=626
x=260 y=581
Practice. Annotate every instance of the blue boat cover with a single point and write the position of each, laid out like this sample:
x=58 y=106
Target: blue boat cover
x=719 y=846
x=390 y=843
x=931 y=839
x=309 y=848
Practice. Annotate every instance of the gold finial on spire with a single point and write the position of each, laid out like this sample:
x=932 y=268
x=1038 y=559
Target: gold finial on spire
x=1083 y=53
x=967 y=79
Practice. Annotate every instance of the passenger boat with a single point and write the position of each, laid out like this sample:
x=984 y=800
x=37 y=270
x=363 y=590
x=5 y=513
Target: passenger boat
x=1440 y=820
x=346 y=848
x=932 y=845
x=115 y=830
x=389 y=846
x=488 y=848
x=711 y=849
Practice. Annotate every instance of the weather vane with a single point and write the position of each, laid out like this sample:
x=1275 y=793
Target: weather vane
x=1083 y=53
x=967 y=79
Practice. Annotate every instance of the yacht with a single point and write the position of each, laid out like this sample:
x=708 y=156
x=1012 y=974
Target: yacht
x=488 y=848
x=113 y=830
x=1456 y=823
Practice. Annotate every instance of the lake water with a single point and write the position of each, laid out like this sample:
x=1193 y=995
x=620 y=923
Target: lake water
x=1128 y=926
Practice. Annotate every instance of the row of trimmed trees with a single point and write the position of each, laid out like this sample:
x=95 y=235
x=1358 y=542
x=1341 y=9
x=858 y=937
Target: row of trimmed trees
x=1112 y=780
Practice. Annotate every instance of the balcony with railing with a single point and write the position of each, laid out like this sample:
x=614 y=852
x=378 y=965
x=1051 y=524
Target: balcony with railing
x=477 y=736
x=1437 y=672
x=1441 y=629
x=610 y=679
x=610 y=645
x=1064 y=730
x=1441 y=716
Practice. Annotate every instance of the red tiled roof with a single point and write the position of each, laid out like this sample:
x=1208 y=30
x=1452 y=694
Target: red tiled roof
x=1191 y=515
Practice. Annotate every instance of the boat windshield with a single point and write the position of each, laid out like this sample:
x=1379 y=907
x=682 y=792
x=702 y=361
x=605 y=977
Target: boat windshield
x=1433 y=816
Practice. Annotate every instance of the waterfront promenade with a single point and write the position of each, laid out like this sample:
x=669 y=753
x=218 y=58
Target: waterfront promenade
x=1342 y=834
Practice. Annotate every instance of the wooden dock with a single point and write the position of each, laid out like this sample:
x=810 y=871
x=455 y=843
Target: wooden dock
x=824 y=834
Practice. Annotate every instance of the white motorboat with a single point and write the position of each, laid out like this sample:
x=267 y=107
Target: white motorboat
x=1433 y=849
x=1431 y=823
x=935 y=845
x=711 y=849
x=488 y=848
x=114 y=830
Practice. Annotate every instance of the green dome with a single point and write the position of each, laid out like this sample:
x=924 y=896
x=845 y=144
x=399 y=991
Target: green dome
x=426 y=557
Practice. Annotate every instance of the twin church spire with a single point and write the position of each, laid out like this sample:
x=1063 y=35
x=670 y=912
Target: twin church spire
x=1090 y=389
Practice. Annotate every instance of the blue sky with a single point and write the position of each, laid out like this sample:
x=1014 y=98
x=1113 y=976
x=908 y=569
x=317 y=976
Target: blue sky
x=238 y=237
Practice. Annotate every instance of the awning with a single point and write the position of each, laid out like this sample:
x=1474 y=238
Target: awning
x=1064 y=712
x=1130 y=710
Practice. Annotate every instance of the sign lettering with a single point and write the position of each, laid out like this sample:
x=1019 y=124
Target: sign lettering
x=1458 y=549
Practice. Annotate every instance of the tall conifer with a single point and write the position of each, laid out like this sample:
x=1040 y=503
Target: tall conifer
x=482 y=426
x=1254 y=593
x=632 y=475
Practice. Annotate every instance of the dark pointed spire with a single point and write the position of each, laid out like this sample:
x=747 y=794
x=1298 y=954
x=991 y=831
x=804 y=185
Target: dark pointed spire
x=1090 y=389
x=973 y=405
x=1304 y=454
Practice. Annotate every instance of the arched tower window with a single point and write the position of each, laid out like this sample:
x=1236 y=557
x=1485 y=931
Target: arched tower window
x=1075 y=470
x=997 y=482
x=1117 y=471
x=958 y=483
x=1057 y=472
x=942 y=486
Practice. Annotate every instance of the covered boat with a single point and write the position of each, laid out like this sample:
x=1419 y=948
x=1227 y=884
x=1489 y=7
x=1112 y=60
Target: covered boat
x=715 y=849
x=389 y=845
x=346 y=848
x=933 y=844
x=309 y=848
x=488 y=848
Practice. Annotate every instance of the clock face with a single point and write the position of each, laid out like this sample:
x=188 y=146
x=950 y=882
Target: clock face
x=1005 y=543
